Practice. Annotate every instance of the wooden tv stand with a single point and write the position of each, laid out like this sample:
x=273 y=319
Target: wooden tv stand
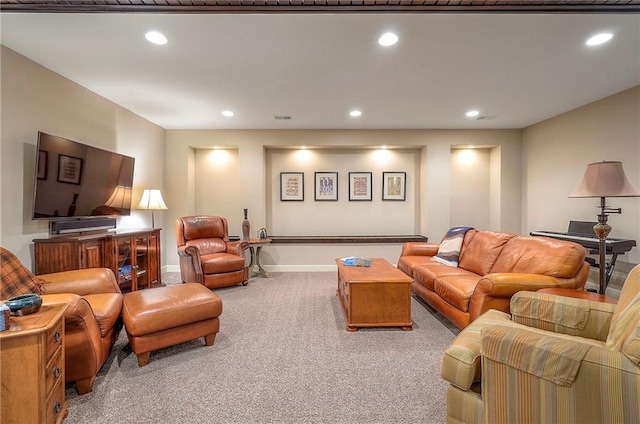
x=132 y=255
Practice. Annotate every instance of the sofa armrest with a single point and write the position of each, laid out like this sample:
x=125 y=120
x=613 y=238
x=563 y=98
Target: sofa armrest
x=563 y=315
x=494 y=291
x=417 y=248
x=81 y=282
x=237 y=247
x=78 y=317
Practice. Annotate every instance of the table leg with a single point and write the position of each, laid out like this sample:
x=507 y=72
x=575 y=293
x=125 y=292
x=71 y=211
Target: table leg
x=255 y=261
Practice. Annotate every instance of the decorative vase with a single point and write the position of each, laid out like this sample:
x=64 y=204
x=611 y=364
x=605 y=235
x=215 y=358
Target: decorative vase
x=246 y=226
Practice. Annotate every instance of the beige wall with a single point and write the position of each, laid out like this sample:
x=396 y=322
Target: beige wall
x=263 y=154
x=471 y=188
x=35 y=99
x=556 y=152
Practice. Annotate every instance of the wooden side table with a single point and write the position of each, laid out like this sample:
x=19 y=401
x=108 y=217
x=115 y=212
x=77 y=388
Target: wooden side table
x=580 y=294
x=32 y=368
x=255 y=247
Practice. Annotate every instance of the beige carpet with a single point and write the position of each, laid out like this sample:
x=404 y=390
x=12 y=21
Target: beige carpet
x=282 y=356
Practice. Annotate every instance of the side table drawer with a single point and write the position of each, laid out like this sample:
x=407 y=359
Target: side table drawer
x=54 y=373
x=53 y=340
x=56 y=407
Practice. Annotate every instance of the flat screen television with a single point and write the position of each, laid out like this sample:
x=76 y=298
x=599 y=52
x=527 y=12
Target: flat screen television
x=75 y=180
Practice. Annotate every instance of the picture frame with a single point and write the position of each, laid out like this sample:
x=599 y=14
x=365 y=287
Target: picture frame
x=43 y=164
x=292 y=186
x=326 y=186
x=360 y=186
x=394 y=186
x=69 y=169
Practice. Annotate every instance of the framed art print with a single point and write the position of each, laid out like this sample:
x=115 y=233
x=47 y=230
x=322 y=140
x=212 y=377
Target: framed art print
x=360 y=186
x=69 y=169
x=326 y=186
x=292 y=186
x=394 y=186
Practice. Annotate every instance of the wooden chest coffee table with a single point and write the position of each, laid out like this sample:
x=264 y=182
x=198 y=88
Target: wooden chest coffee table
x=375 y=296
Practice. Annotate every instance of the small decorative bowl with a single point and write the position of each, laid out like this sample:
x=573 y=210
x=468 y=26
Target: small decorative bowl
x=24 y=304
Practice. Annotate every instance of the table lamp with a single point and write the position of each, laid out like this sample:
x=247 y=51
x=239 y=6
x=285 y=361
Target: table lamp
x=152 y=201
x=604 y=179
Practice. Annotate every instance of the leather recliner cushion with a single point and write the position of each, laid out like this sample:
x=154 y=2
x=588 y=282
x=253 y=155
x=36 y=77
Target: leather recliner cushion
x=482 y=251
x=200 y=227
x=208 y=246
x=221 y=262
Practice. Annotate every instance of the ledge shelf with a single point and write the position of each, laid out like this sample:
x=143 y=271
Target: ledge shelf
x=345 y=239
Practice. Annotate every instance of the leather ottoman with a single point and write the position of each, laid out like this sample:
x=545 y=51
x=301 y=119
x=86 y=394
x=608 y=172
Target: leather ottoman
x=165 y=316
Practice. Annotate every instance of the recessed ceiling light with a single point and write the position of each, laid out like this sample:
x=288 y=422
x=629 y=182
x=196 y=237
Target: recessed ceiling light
x=227 y=113
x=155 y=37
x=388 y=39
x=472 y=113
x=598 y=39
x=355 y=113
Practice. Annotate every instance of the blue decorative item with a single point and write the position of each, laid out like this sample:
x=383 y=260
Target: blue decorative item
x=24 y=304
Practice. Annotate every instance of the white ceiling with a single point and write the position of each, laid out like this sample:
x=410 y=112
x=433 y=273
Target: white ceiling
x=519 y=69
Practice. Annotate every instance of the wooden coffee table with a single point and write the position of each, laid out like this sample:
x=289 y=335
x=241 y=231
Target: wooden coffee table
x=375 y=296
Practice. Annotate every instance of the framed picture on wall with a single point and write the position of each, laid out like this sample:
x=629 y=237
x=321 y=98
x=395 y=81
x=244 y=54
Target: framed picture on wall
x=326 y=187
x=360 y=186
x=292 y=186
x=43 y=165
x=69 y=169
x=394 y=186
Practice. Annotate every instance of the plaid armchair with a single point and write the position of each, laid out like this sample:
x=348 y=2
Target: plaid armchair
x=554 y=360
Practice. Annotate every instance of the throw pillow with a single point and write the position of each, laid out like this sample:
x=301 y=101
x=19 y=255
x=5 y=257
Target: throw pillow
x=15 y=279
x=449 y=249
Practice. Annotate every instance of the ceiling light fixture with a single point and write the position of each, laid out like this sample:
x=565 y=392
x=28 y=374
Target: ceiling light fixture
x=598 y=39
x=472 y=113
x=388 y=39
x=227 y=113
x=355 y=113
x=155 y=37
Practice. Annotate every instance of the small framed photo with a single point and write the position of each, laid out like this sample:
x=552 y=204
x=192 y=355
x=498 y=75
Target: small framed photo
x=69 y=169
x=360 y=186
x=394 y=186
x=292 y=186
x=43 y=164
x=326 y=186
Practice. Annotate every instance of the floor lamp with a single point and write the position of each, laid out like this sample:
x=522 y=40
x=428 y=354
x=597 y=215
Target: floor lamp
x=152 y=201
x=604 y=179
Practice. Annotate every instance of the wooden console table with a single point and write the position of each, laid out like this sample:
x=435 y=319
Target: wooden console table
x=375 y=296
x=132 y=255
x=32 y=368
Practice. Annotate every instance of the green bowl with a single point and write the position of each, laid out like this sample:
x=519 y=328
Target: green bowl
x=24 y=304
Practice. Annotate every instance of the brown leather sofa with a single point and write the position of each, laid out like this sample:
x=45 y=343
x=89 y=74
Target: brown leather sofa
x=492 y=268
x=206 y=254
x=92 y=319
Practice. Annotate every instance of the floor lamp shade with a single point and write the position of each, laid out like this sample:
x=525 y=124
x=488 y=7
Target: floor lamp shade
x=152 y=201
x=604 y=179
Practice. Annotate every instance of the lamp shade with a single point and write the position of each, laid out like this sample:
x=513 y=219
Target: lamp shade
x=152 y=200
x=605 y=179
x=120 y=198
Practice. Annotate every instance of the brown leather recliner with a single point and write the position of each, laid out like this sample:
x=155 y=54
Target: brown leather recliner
x=206 y=254
x=91 y=322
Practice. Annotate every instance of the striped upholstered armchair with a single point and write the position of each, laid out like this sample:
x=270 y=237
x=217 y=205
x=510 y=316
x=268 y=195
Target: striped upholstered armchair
x=554 y=360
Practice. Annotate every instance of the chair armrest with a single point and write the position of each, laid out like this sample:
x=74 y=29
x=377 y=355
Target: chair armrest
x=237 y=247
x=418 y=248
x=563 y=315
x=81 y=281
x=494 y=291
x=190 y=264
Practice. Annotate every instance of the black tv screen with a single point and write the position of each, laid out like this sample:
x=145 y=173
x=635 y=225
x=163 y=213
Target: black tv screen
x=75 y=180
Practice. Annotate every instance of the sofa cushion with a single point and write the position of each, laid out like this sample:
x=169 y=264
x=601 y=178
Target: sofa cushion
x=624 y=334
x=482 y=251
x=15 y=279
x=456 y=290
x=426 y=274
x=408 y=264
x=542 y=256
